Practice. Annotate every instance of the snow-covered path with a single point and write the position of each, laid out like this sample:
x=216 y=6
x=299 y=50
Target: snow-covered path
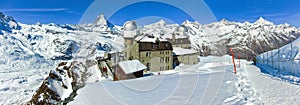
x=210 y=82
x=272 y=90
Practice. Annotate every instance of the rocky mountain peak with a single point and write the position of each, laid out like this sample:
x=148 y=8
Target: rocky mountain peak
x=100 y=21
x=7 y=23
x=262 y=21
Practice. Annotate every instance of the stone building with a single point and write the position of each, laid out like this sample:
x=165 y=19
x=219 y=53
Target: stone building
x=185 y=56
x=179 y=38
x=154 y=52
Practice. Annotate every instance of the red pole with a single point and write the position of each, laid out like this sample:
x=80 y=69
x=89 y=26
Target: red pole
x=233 y=60
x=239 y=60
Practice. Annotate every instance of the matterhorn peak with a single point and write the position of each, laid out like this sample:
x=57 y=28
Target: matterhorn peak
x=100 y=21
x=262 y=21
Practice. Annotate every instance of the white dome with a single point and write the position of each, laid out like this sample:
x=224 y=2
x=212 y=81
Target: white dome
x=130 y=26
x=181 y=28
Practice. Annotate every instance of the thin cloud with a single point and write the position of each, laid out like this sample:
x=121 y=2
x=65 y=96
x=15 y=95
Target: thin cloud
x=274 y=15
x=35 y=10
x=73 y=12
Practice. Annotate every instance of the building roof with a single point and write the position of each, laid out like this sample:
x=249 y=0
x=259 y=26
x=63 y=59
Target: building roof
x=131 y=66
x=182 y=51
x=130 y=26
x=149 y=38
x=181 y=28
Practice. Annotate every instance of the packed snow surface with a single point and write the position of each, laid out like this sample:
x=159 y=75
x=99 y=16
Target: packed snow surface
x=211 y=81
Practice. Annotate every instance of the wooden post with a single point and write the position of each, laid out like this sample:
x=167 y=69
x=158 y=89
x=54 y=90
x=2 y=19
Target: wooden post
x=232 y=54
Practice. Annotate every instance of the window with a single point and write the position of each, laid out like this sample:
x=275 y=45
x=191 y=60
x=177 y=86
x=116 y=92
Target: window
x=167 y=52
x=153 y=46
x=161 y=59
x=162 y=68
x=167 y=60
x=148 y=54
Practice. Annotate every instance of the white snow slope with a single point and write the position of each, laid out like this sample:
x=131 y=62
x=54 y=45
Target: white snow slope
x=212 y=81
x=209 y=82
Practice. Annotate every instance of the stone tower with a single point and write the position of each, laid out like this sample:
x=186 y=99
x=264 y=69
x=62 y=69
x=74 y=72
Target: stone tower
x=129 y=32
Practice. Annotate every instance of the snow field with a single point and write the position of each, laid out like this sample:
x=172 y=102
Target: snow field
x=184 y=85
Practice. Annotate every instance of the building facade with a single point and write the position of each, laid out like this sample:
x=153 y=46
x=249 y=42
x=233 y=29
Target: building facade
x=154 y=52
x=185 y=56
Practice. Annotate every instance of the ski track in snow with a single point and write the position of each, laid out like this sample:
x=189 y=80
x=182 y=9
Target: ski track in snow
x=190 y=85
x=273 y=91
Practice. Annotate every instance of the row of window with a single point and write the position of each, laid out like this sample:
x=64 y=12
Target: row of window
x=148 y=54
x=166 y=59
x=164 y=68
x=166 y=52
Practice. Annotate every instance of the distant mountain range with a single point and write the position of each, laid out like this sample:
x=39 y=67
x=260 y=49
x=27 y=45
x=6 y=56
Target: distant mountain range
x=247 y=39
x=36 y=48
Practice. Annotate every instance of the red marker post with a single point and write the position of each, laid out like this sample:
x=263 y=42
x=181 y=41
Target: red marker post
x=233 y=60
x=239 y=60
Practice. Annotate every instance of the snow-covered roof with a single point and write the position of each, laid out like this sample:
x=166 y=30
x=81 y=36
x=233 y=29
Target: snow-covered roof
x=182 y=51
x=131 y=66
x=146 y=38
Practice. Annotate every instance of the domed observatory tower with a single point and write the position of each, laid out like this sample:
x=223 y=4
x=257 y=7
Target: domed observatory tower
x=180 y=37
x=129 y=32
x=181 y=30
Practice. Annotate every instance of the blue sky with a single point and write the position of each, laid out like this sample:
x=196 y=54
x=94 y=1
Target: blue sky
x=70 y=11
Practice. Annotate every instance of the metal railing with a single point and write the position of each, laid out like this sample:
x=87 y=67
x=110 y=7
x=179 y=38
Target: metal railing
x=282 y=59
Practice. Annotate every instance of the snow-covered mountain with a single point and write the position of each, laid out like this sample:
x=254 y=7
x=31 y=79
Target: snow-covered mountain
x=30 y=51
x=7 y=23
x=248 y=39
